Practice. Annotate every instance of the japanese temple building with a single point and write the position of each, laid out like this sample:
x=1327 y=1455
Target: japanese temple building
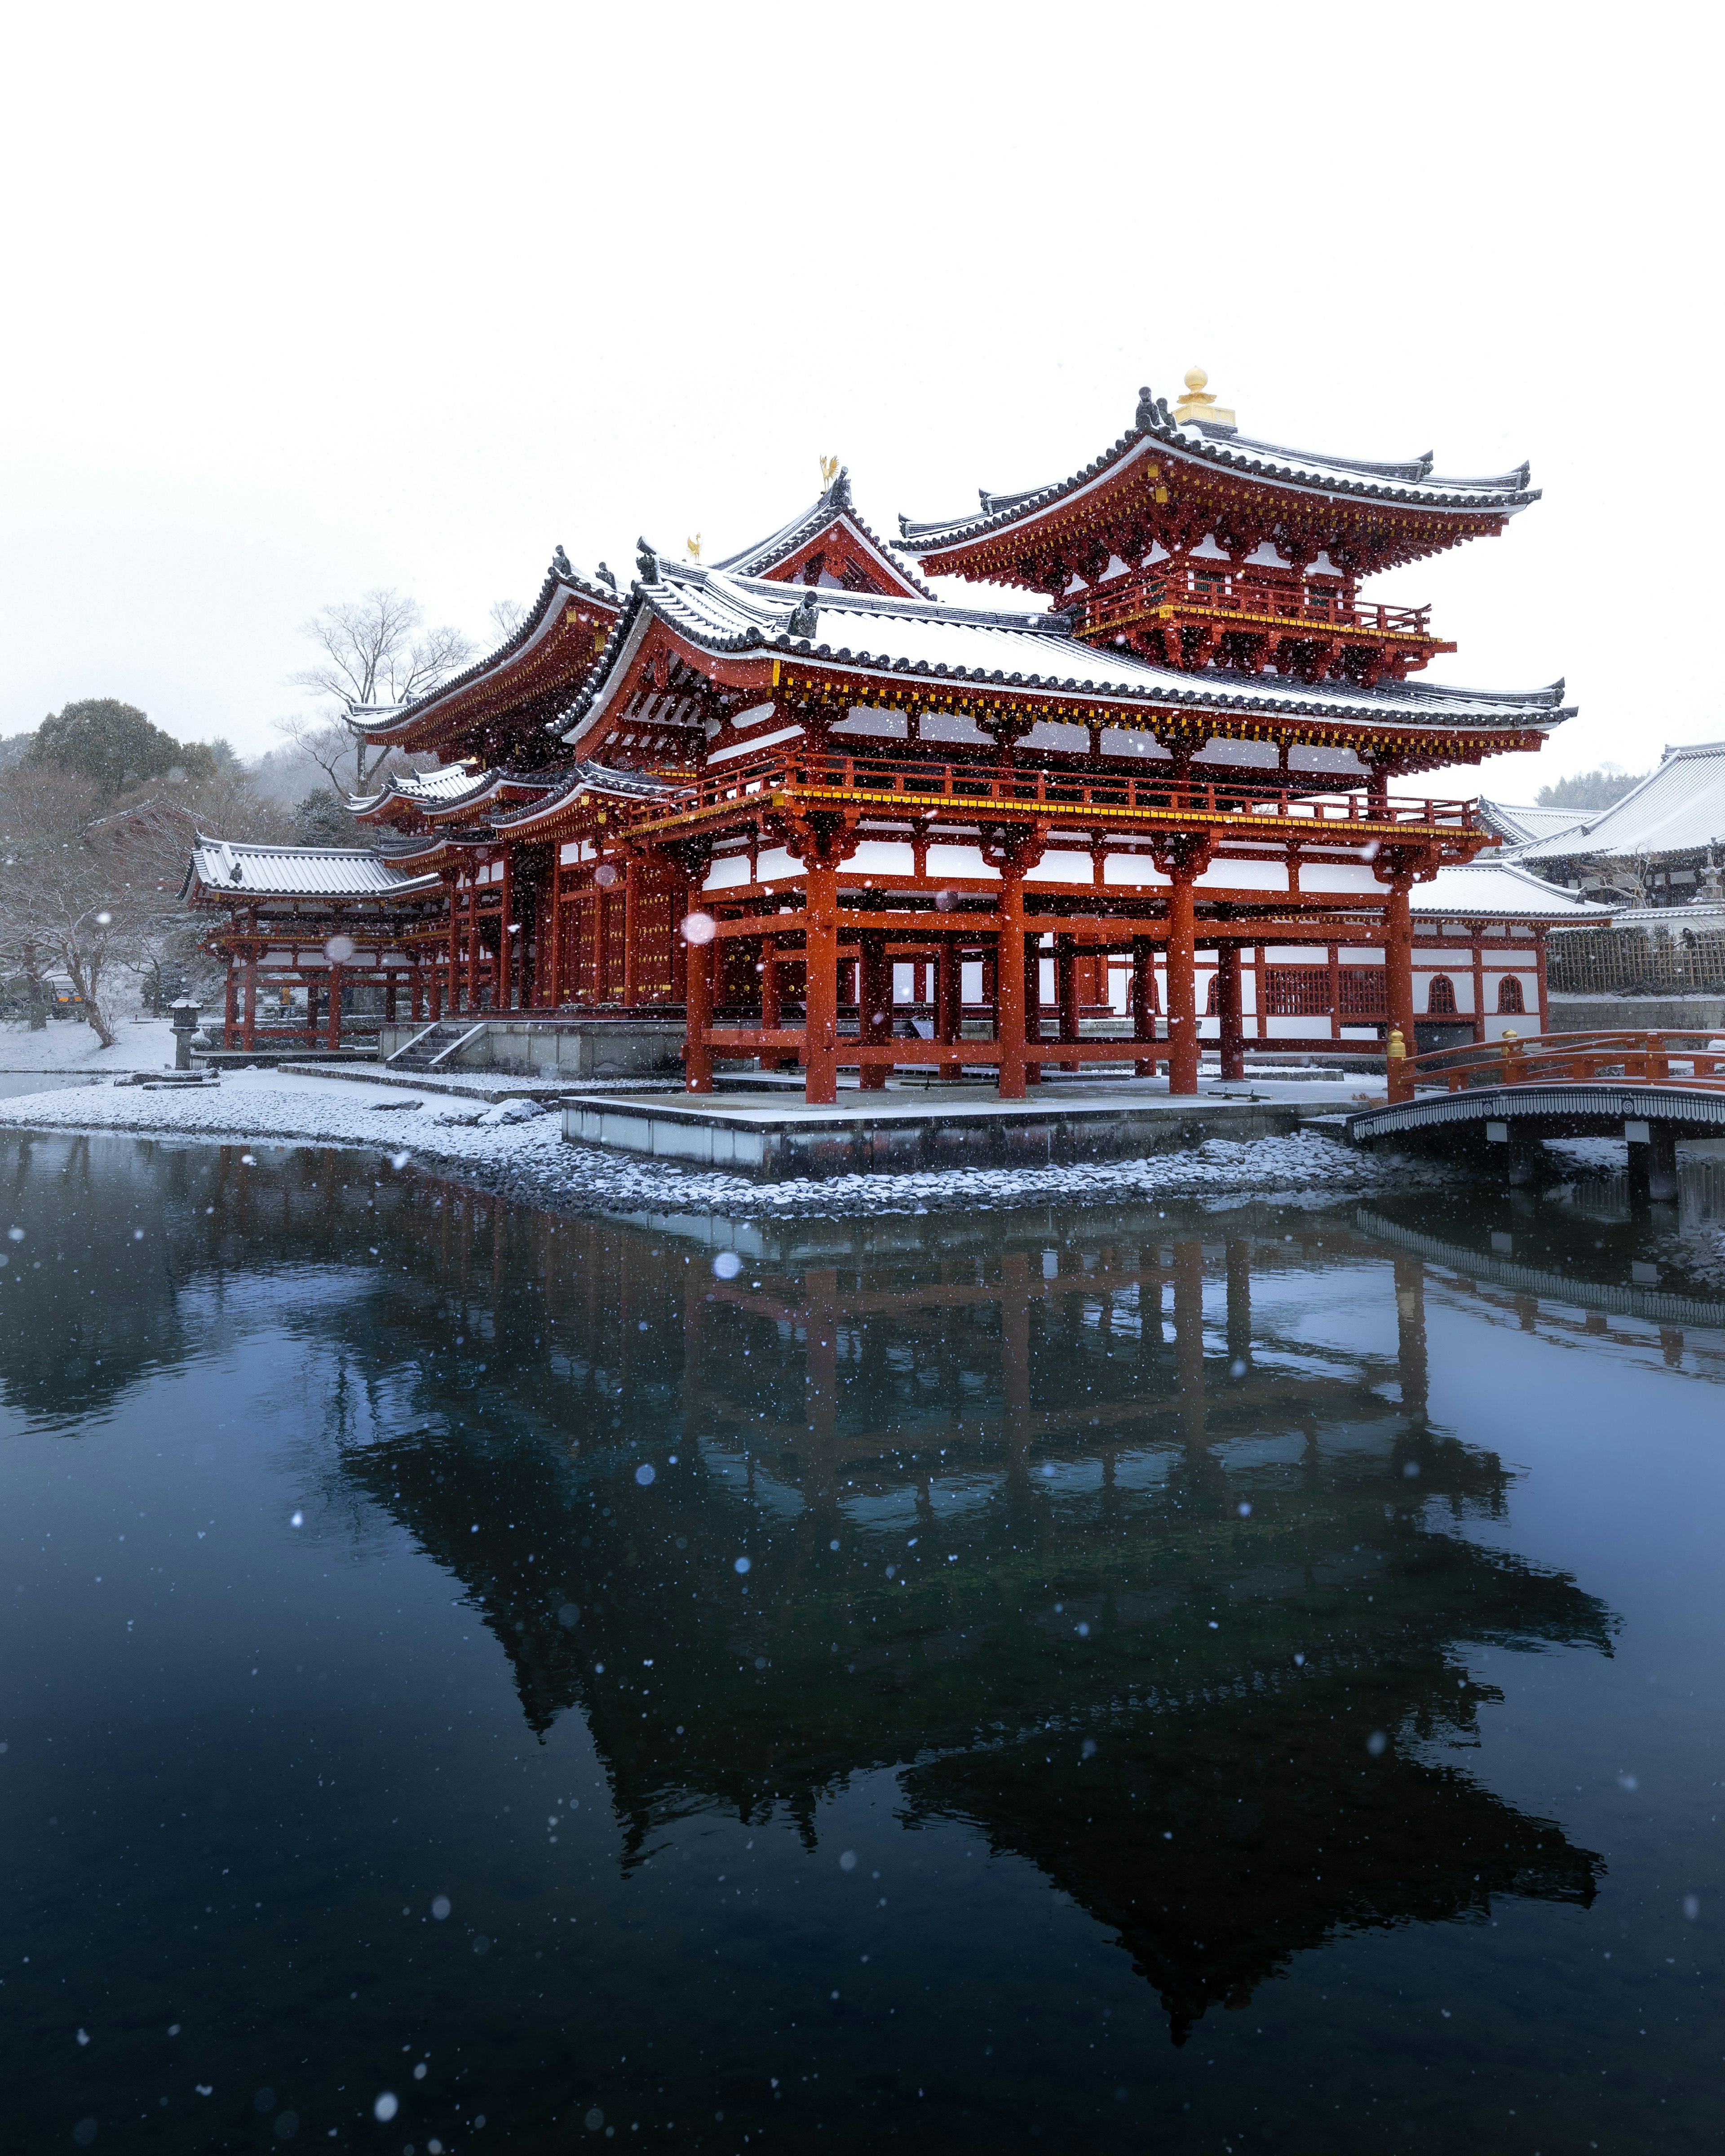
x=797 y=800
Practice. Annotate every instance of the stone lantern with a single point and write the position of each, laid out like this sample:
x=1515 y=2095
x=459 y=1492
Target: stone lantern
x=183 y=1014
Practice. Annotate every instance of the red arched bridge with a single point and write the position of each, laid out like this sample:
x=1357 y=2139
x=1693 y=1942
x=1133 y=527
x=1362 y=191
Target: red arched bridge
x=1500 y=1099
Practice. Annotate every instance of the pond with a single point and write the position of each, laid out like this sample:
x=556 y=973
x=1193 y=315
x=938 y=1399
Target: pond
x=1242 y=1678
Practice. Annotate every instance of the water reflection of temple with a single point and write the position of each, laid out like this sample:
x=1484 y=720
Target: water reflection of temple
x=1159 y=1570
x=1085 y=1526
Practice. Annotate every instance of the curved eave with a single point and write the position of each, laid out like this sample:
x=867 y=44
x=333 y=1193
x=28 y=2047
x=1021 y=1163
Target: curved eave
x=1468 y=721
x=941 y=544
x=488 y=688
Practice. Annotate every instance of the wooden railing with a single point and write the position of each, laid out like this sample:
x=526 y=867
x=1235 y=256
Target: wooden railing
x=1657 y=1057
x=772 y=771
x=1230 y=592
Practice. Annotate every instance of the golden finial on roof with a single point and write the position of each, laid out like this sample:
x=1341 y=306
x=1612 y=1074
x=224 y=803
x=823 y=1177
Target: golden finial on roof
x=1199 y=405
x=694 y=546
x=828 y=470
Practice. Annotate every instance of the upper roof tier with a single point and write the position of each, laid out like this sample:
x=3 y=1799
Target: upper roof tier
x=1169 y=483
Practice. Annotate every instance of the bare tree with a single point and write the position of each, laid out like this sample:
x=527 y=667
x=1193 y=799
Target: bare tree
x=375 y=651
x=90 y=888
x=507 y=616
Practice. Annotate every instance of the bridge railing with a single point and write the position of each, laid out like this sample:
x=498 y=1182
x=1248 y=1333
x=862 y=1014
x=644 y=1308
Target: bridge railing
x=1654 y=1056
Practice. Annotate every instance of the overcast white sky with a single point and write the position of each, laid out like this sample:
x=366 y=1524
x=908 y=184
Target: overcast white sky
x=303 y=301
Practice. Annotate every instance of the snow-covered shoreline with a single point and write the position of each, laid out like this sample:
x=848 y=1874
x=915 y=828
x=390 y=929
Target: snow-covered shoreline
x=515 y=1152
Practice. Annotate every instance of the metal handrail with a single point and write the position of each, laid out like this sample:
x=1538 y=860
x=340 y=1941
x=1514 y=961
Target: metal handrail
x=413 y=1043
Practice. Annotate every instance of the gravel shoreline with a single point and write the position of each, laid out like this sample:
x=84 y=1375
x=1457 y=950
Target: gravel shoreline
x=513 y=1151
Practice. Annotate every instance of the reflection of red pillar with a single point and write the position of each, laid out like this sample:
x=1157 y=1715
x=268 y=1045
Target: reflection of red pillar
x=697 y=1049
x=1228 y=1010
x=1240 y=1300
x=820 y=994
x=874 y=998
x=1181 y=986
x=820 y=1382
x=1015 y=1351
x=1410 y=1334
x=1188 y=1336
x=1143 y=1001
x=1009 y=987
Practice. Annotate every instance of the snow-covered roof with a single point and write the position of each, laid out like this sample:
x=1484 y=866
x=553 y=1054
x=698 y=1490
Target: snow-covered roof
x=1497 y=891
x=420 y=788
x=585 y=778
x=1410 y=483
x=1678 y=807
x=1523 y=826
x=856 y=632
x=542 y=622
x=237 y=868
x=833 y=508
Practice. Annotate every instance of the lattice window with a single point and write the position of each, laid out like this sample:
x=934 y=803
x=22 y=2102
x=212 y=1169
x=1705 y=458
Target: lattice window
x=1363 y=992
x=1440 y=997
x=1298 y=991
x=1510 y=1003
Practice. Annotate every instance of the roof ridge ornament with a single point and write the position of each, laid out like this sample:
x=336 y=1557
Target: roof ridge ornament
x=1199 y=405
x=605 y=576
x=693 y=543
x=560 y=566
x=805 y=617
x=1152 y=413
x=647 y=561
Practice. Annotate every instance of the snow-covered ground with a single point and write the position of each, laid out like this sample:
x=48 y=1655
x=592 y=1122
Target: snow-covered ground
x=514 y=1148
x=67 y=1044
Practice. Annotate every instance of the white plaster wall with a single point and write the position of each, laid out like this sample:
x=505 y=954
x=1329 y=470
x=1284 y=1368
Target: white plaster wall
x=959 y=861
x=774 y=862
x=1062 y=868
x=1131 y=871
x=1339 y=875
x=732 y=869
x=882 y=857
x=1229 y=873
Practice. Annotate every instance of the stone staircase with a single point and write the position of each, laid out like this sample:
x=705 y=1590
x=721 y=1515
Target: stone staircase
x=431 y=1049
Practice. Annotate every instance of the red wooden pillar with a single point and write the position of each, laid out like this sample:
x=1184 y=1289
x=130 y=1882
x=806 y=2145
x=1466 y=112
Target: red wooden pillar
x=1143 y=1001
x=335 y=1032
x=1398 y=978
x=820 y=994
x=631 y=917
x=473 y=940
x=1479 y=986
x=1033 y=1004
x=1182 y=985
x=389 y=999
x=949 y=1003
x=698 y=1007
x=248 y=1032
x=1228 y=1009
x=1539 y=961
x=509 y=940
x=1066 y=993
x=416 y=994
x=230 y=1021
x=455 y=890
x=1010 y=984
x=873 y=1000
x=1335 y=964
